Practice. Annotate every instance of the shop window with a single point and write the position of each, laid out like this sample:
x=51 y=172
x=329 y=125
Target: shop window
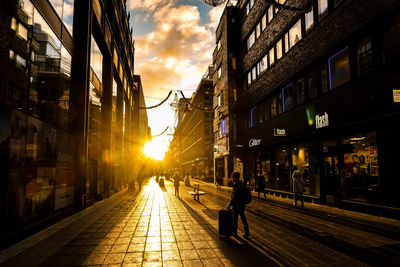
x=300 y=92
x=312 y=84
x=339 y=68
x=295 y=34
x=288 y=97
x=273 y=107
x=322 y=8
x=261 y=113
x=300 y=161
x=281 y=179
x=279 y=49
x=360 y=177
x=364 y=56
x=309 y=19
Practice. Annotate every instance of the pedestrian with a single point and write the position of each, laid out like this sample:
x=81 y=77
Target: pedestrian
x=176 y=184
x=298 y=187
x=140 y=178
x=261 y=185
x=238 y=203
x=218 y=180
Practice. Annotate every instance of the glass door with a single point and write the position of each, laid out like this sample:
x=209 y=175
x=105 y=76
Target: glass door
x=331 y=173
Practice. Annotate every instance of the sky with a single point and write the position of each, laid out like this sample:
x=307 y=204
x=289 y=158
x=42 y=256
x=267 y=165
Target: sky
x=174 y=41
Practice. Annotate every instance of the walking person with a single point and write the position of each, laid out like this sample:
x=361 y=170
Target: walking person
x=218 y=180
x=238 y=203
x=140 y=179
x=298 y=187
x=176 y=184
x=261 y=183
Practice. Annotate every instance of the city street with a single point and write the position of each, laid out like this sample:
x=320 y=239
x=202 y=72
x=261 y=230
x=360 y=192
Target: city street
x=155 y=228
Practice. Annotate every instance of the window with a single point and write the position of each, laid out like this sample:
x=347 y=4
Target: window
x=264 y=63
x=309 y=19
x=361 y=170
x=312 y=84
x=270 y=13
x=13 y=24
x=324 y=78
x=252 y=117
x=249 y=78
x=288 y=97
x=257 y=31
x=20 y=61
x=219 y=44
x=272 y=56
x=12 y=55
x=96 y=59
x=286 y=42
x=68 y=14
x=364 y=56
x=301 y=93
x=264 y=22
x=339 y=68
x=251 y=40
x=391 y=40
x=253 y=73
x=322 y=8
x=295 y=34
x=223 y=127
x=219 y=71
x=279 y=49
x=221 y=100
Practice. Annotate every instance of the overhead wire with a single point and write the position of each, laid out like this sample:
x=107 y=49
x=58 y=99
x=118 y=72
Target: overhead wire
x=159 y=104
x=161 y=133
x=196 y=107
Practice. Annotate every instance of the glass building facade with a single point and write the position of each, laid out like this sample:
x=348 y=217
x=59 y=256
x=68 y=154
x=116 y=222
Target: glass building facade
x=66 y=107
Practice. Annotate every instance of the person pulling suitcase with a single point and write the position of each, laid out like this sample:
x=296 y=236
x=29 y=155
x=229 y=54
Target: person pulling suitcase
x=239 y=198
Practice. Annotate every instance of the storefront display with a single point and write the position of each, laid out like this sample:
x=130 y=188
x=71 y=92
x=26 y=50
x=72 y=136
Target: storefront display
x=360 y=178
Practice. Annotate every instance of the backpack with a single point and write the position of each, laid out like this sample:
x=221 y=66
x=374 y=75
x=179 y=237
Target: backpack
x=247 y=195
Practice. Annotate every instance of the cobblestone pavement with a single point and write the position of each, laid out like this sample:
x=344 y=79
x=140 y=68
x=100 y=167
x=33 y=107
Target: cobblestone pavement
x=157 y=229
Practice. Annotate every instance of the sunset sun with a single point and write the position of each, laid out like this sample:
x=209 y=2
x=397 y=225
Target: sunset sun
x=155 y=149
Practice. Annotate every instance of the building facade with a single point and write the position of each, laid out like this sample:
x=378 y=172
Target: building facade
x=194 y=137
x=67 y=105
x=319 y=93
x=225 y=94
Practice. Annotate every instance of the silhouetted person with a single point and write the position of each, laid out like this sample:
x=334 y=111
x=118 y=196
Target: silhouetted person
x=176 y=183
x=140 y=179
x=298 y=187
x=261 y=185
x=218 y=179
x=238 y=203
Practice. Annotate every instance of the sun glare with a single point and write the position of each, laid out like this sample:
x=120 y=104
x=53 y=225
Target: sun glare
x=155 y=149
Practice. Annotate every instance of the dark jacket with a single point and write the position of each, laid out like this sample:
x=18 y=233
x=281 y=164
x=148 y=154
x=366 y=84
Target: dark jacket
x=238 y=195
x=261 y=183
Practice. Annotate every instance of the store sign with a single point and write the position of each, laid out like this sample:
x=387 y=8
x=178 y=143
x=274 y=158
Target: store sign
x=321 y=121
x=254 y=142
x=396 y=95
x=280 y=132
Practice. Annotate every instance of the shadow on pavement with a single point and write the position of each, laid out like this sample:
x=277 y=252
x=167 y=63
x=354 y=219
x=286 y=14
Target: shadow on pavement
x=237 y=251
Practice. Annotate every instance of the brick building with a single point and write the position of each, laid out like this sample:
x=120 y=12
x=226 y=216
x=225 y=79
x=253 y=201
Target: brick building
x=318 y=92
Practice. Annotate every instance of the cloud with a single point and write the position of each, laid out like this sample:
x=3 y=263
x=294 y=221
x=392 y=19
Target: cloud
x=215 y=15
x=177 y=52
x=149 y=5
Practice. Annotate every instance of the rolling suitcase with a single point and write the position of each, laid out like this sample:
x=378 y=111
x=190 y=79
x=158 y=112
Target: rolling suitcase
x=225 y=222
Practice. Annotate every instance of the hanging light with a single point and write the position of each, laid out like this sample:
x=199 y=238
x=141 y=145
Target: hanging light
x=214 y=3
